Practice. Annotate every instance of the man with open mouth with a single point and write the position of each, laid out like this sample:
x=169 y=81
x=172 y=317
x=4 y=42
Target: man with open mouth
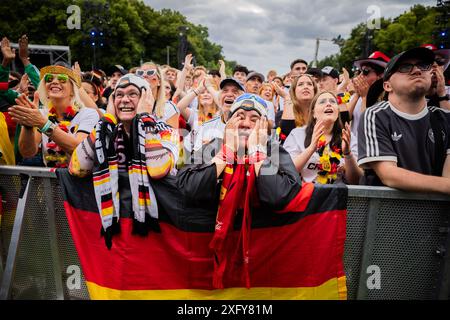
x=230 y=89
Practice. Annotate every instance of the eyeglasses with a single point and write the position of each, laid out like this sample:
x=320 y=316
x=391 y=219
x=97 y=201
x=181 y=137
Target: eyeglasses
x=131 y=95
x=142 y=73
x=63 y=78
x=408 y=67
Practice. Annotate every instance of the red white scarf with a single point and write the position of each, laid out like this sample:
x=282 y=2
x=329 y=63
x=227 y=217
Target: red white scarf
x=237 y=191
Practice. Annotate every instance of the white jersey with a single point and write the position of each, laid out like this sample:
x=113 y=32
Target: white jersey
x=295 y=145
x=208 y=131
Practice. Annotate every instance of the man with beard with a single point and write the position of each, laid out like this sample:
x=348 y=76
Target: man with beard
x=403 y=143
x=230 y=89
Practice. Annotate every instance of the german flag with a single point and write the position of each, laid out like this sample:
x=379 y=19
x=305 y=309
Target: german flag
x=293 y=255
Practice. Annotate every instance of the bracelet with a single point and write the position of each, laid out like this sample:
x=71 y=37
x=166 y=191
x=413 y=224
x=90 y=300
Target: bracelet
x=45 y=127
x=443 y=98
x=347 y=155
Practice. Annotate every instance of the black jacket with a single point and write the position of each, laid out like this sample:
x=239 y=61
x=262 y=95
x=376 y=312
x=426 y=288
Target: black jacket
x=277 y=184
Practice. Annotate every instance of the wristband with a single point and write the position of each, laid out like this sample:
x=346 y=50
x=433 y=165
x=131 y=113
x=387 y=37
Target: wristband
x=45 y=127
x=443 y=98
x=347 y=155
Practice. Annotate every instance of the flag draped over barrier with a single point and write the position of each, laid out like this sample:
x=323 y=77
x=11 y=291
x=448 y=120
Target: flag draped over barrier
x=292 y=255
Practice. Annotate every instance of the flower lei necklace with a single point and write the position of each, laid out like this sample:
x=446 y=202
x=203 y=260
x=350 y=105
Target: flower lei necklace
x=55 y=156
x=329 y=161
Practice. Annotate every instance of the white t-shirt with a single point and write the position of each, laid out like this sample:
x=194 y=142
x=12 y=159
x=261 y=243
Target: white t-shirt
x=84 y=121
x=170 y=109
x=208 y=131
x=295 y=145
x=270 y=111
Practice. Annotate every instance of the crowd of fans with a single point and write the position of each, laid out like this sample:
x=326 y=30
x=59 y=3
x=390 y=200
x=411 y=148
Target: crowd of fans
x=389 y=124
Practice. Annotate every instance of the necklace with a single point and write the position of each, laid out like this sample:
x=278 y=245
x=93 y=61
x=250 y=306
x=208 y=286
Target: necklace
x=330 y=158
x=54 y=156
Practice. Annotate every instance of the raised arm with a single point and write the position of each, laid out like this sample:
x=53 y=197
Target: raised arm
x=352 y=172
x=181 y=79
x=222 y=72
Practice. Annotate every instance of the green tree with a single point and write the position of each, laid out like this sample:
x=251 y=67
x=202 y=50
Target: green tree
x=410 y=29
x=133 y=32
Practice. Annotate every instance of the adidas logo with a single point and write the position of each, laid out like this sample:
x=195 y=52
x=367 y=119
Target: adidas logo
x=395 y=136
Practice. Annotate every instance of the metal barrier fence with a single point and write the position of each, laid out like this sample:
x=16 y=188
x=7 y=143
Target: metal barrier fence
x=396 y=246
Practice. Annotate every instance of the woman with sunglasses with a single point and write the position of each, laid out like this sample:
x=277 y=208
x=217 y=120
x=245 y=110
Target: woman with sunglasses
x=321 y=151
x=163 y=109
x=62 y=123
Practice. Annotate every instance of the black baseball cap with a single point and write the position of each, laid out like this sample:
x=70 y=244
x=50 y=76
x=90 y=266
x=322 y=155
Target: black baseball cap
x=330 y=71
x=424 y=54
x=315 y=72
x=118 y=68
x=233 y=81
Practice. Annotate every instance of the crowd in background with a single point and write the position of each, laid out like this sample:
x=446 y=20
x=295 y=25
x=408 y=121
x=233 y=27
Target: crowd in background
x=388 y=124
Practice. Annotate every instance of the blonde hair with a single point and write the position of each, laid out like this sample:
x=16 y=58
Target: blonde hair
x=271 y=73
x=267 y=84
x=160 y=94
x=202 y=112
x=43 y=95
x=300 y=120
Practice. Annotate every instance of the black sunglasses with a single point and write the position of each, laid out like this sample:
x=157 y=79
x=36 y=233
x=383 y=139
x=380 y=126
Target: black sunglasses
x=366 y=71
x=440 y=61
x=408 y=67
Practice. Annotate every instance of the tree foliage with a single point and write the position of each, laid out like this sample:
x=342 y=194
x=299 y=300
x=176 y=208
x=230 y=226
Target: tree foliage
x=408 y=30
x=133 y=31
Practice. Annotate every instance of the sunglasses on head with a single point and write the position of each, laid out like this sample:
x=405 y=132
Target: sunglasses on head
x=408 y=67
x=63 y=78
x=142 y=73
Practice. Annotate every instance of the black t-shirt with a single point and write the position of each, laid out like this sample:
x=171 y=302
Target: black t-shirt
x=387 y=134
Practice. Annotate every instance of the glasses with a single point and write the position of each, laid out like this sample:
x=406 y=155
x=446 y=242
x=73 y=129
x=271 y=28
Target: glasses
x=131 y=95
x=63 y=78
x=142 y=73
x=408 y=67
x=366 y=71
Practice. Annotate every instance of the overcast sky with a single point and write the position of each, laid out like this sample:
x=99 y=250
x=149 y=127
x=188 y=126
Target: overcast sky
x=269 y=34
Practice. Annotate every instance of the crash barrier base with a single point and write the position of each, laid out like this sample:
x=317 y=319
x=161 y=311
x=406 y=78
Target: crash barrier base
x=396 y=245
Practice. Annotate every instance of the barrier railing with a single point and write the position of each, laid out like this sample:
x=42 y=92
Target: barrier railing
x=396 y=246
